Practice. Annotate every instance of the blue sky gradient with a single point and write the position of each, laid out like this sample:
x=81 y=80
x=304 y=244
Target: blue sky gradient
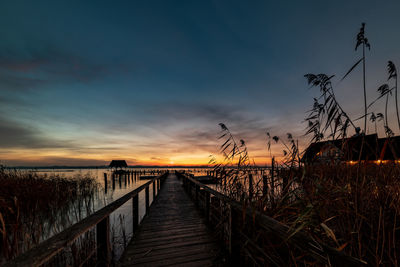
x=83 y=82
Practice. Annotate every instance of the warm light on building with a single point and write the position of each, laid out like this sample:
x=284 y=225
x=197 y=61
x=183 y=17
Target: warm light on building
x=382 y=161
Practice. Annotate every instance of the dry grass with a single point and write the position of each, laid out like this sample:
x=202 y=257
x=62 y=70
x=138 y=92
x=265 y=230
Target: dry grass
x=33 y=207
x=354 y=208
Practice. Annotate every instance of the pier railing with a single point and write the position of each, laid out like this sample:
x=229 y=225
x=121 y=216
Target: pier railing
x=246 y=232
x=93 y=234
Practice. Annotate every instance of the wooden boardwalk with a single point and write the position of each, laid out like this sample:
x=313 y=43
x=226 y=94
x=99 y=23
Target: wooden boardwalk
x=173 y=233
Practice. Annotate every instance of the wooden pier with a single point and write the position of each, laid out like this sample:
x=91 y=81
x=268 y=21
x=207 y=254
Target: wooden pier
x=173 y=233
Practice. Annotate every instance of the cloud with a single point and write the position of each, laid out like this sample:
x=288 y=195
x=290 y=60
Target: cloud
x=17 y=135
x=51 y=64
x=54 y=161
x=13 y=82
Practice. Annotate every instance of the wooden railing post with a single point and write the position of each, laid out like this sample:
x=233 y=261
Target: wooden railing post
x=197 y=194
x=230 y=221
x=265 y=185
x=234 y=247
x=103 y=242
x=154 y=190
x=147 y=199
x=135 y=212
x=207 y=205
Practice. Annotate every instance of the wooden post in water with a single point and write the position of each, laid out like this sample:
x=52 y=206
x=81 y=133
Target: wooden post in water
x=105 y=183
x=265 y=185
x=113 y=180
x=103 y=242
x=135 y=212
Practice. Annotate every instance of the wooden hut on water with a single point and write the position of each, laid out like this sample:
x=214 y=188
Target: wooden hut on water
x=118 y=165
x=368 y=148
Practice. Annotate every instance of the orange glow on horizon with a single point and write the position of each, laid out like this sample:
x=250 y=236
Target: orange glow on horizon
x=153 y=156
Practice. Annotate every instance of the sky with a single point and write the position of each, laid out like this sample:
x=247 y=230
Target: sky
x=84 y=82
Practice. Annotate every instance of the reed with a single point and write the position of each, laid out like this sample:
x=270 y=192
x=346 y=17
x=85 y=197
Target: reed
x=351 y=207
x=34 y=207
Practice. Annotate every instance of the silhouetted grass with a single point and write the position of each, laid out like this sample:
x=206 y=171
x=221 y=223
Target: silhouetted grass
x=350 y=206
x=34 y=207
x=354 y=208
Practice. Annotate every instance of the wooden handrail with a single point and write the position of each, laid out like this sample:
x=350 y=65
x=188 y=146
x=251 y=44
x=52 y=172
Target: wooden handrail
x=271 y=226
x=49 y=248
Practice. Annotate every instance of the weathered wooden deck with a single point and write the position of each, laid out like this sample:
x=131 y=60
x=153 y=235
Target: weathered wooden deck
x=173 y=233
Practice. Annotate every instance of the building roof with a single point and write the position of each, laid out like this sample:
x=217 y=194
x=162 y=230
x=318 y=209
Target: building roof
x=373 y=148
x=118 y=164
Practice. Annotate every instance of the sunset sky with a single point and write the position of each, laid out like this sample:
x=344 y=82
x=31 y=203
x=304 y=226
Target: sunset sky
x=84 y=82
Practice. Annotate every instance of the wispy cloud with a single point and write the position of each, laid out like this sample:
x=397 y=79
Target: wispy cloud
x=21 y=68
x=18 y=135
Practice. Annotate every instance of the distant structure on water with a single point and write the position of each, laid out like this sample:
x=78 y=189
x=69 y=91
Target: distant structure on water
x=367 y=148
x=118 y=164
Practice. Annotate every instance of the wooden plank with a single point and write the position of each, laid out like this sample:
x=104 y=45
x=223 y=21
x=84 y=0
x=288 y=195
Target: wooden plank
x=171 y=241
x=173 y=261
x=176 y=246
x=164 y=251
x=171 y=253
x=167 y=233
